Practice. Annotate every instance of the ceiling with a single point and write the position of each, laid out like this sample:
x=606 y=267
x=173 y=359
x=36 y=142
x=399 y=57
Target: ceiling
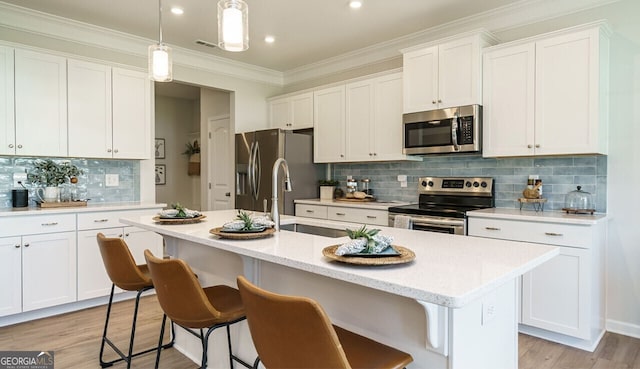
x=306 y=31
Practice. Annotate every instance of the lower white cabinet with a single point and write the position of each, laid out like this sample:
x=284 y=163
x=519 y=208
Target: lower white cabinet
x=10 y=275
x=345 y=214
x=562 y=299
x=93 y=280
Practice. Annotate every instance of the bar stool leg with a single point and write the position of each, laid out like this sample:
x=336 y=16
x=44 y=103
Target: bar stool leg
x=104 y=364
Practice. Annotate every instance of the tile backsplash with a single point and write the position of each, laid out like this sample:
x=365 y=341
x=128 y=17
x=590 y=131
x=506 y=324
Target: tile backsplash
x=91 y=184
x=559 y=175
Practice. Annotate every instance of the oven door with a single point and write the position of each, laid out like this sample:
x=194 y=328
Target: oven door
x=435 y=224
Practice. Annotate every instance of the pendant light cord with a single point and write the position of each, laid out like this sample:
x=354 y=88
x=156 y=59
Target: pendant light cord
x=160 y=22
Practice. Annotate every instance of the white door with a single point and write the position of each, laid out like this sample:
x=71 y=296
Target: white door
x=221 y=160
x=359 y=120
x=10 y=276
x=420 y=80
x=459 y=73
x=93 y=280
x=387 y=117
x=131 y=114
x=329 y=129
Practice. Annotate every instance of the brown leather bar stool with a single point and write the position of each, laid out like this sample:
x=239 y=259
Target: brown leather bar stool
x=125 y=274
x=192 y=307
x=295 y=332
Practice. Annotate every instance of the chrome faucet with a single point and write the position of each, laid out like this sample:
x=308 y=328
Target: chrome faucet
x=275 y=215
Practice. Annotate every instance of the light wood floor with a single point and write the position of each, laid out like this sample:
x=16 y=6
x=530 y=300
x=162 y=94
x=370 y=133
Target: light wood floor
x=75 y=339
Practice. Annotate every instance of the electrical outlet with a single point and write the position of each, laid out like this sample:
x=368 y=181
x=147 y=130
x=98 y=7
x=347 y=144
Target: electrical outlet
x=111 y=180
x=19 y=177
x=488 y=311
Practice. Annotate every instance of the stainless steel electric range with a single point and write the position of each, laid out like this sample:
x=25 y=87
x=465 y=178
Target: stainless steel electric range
x=443 y=203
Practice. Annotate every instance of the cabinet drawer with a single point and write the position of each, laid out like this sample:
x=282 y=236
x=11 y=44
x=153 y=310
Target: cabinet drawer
x=547 y=233
x=38 y=224
x=109 y=219
x=356 y=215
x=311 y=211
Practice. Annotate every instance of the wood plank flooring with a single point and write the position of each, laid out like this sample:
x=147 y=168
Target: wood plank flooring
x=75 y=338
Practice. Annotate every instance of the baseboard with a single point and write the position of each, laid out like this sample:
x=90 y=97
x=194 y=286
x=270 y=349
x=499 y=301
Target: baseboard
x=626 y=329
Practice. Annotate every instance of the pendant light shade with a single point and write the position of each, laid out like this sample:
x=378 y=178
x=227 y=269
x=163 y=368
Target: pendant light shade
x=233 y=25
x=160 y=61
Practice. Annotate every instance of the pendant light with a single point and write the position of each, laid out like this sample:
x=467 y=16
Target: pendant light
x=160 y=63
x=233 y=25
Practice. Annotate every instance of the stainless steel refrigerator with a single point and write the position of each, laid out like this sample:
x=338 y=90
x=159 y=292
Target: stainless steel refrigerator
x=257 y=151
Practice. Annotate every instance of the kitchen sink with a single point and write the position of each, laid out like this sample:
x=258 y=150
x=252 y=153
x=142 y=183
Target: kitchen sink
x=315 y=230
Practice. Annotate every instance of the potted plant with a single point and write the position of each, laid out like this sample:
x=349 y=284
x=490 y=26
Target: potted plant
x=193 y=152
x=327 y=187
x=49 y=175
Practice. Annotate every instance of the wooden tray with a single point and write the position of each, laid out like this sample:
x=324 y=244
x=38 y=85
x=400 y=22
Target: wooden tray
x=406 y=256
x=160 y=220
x=346 y=199
x=61 y=204
x=242 y=236
x=579 y=211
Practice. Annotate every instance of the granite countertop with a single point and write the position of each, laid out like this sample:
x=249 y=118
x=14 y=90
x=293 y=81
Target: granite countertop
x=112 y=206
x=539 y=216
x=375 y=205
x=448 y=270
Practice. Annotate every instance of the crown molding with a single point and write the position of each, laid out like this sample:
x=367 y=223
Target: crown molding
x=498 y=20
x=64 y=29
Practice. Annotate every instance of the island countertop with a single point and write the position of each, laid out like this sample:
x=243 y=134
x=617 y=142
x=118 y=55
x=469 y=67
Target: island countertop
x=449 y=270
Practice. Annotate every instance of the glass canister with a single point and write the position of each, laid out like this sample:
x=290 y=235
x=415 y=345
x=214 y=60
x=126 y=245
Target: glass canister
x=352 y=185
x=364 y=186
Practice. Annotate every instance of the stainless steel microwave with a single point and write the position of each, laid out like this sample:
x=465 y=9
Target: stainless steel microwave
x=451 y=130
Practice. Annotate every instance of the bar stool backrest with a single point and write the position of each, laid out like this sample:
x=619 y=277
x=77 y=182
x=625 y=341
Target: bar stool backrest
x=290 y=331
x=120 y=264
x=180 y=294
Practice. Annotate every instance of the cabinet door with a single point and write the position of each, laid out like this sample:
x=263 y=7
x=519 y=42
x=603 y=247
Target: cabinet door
x=329 y=130
x=280 y=113
x=556 y=294
x=359 y=120
x=420 y=80
x=40 y=104
x=131 y=114
x=10 y=276
x=7 y=119
x=567 y=102
x=89 y=86
x=387 y=118
x=139 y=240
x=459 y=73
x=48 y=270
x=508 y=108
x=93 y=280
x=302 y=110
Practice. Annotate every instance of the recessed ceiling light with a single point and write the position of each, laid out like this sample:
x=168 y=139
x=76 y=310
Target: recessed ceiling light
x=355 y=4
x=177 y=10
x=269 y=39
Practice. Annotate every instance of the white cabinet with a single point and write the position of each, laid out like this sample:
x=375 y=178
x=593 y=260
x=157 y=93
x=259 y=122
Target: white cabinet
x=292 y=112
x=93 y=280
x=562 y=299
x=443 y=75
x=90 y=123
x=547 y=96
x=40 y=104
x=329 y=130
x=39 y=262
x=345 y=214
x=7 y=119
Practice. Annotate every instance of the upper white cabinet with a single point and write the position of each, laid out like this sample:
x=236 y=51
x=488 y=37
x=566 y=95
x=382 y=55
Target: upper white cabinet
x=443 y=75
x=329 y=131
x=109 y=112
x=292 y=112
x=7 y=119
x=40 y=104
x=547 y=96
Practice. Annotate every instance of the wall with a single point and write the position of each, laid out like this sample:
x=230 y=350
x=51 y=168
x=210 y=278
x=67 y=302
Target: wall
x=559 y=176
x=176 y=124
x=91 y=184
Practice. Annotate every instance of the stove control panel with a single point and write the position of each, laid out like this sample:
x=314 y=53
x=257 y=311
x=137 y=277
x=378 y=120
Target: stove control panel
x=456 y=185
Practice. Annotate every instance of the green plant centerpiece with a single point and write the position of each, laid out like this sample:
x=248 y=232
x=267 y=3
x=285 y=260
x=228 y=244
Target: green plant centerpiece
x=47 y=172
x=181 y=210
x=246 y=218
x=367 y=234
x=328 y=182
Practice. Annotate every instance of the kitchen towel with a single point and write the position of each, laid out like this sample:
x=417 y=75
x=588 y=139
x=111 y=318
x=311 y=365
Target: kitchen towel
x=402 y=221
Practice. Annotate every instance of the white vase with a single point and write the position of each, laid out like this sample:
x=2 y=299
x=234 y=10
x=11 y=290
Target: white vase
x=326 y=192
x=48 y=194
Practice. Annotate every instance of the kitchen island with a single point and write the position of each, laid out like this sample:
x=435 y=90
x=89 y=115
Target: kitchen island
x=453 y=307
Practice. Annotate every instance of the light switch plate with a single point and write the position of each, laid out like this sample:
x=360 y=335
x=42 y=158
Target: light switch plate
x=111 y=180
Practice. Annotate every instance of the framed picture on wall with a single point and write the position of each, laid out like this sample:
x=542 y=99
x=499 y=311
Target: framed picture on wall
x=161 y=174
x=159 y=148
